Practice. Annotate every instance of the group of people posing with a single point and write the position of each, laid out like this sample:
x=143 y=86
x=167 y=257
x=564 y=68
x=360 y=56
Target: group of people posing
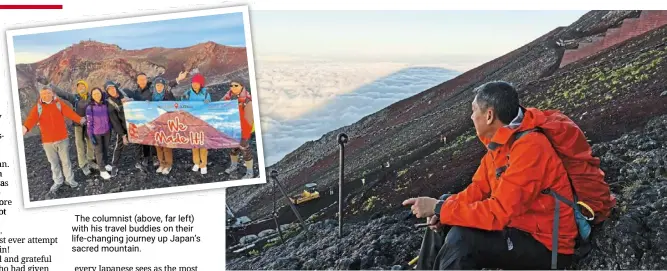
x=98 y=112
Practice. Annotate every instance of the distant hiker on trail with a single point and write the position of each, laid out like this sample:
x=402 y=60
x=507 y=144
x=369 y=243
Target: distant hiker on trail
x=164 y=154
x=144 y=93
x=238 y=91
x=99 y=129
x=50 y=113
x=117 y=117
x=198 y=92
x=79 y=100
x=506 y=217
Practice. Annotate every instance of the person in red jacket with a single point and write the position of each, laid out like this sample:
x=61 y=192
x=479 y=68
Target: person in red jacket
x=237 y=91
x=501 y=220
x=50 y=113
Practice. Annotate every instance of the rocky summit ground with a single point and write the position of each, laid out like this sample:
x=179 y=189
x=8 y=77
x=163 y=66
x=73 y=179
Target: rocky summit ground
x=635 y=235
x=129 y=178
x=631 y=238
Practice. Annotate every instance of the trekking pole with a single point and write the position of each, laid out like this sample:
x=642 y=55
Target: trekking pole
x=275 y=214
x=342 y=140
x=274 y=176
x=280 y=232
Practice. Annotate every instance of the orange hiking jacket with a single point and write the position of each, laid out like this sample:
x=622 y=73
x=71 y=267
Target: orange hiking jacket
x=513 y=198
x=246 y=127
x=52 y=121
x=244 y=98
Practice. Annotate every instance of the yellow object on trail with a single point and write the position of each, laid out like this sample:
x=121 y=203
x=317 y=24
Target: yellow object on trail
x=414 y=261
x=308 y=194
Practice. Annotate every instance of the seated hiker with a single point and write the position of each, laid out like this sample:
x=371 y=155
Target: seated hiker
x=238 y=91
x=505 y=218
x=50 y=114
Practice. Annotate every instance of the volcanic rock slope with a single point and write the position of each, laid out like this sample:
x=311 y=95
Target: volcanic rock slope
x=608 y=94
x=631 y=238
x=611 y=96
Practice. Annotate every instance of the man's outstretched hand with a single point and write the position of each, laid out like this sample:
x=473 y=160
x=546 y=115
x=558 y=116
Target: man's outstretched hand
x=422 y=207
x=181 y=75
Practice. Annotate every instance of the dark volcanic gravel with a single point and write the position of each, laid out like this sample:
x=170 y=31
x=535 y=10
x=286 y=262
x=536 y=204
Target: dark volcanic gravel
x=632 y=238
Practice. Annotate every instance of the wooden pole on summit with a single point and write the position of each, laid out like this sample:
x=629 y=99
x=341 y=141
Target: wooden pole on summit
x=342 y=140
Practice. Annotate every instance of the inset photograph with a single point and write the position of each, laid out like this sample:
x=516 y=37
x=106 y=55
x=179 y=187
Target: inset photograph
x=136 y=106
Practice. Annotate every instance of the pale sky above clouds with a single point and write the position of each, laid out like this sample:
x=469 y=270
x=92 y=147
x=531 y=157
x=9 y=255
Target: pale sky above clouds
x=399 y=36
x=403 y=36
x=226 y=29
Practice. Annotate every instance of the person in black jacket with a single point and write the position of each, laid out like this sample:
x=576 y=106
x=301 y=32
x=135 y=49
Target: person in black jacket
x=143 y=93
x=115 y=99
x=79 y=102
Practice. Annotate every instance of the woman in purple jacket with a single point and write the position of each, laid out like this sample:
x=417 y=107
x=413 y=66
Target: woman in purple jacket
x=99 y=129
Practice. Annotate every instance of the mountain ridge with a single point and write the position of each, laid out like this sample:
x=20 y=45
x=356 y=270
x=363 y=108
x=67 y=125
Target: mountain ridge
x=97 y=62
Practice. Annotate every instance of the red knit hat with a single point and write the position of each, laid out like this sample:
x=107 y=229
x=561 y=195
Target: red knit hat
x=198 y=78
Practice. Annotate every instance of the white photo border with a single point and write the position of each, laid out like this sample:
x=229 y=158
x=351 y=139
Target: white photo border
x=10 y=34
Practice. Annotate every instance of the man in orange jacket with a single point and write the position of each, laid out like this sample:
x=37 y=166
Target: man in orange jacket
x=238 y=90
x=50 y=113
x=501 y=220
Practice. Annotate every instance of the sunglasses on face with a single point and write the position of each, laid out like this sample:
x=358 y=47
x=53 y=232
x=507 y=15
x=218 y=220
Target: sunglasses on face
x=235 y=85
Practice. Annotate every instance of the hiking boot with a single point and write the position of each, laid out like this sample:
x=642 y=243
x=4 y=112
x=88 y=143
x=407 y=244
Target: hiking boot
x=54 y=188
x=249 y=174
x=73 y=184
x=232 y=168
x=165 y=171
x=195 y=168
x=203 y=171
x=156 y=162
x=108 y=167
x=159 y=170
x=114 y=172
x=86 y=170
x=105 y=175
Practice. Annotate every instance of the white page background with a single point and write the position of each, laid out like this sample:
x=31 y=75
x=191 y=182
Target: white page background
x=206 y=206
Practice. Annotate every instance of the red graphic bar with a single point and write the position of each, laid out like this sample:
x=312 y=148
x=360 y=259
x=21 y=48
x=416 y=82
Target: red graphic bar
x=31 y=6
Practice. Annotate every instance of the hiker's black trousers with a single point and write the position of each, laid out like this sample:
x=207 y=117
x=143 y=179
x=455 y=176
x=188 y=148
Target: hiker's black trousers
x=468 y=248
x=102 y=149
x=144 y=152
x=118 y=150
